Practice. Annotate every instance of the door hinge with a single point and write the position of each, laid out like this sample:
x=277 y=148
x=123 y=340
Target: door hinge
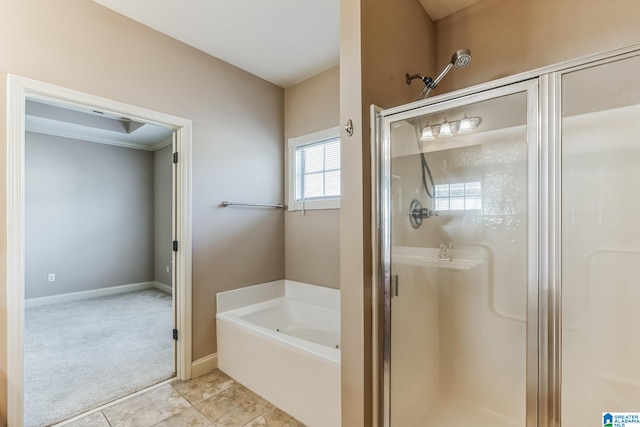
x=175 y=246
x=175 y=334
x=175 y=157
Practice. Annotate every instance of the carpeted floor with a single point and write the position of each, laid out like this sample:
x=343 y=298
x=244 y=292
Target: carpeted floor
x=82 y=354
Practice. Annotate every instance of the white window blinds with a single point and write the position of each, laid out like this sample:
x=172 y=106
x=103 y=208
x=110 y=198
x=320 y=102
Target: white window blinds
x=318 y=171
x=314 y=171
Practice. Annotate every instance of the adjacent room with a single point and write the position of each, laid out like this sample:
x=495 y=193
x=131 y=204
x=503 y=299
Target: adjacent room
x=98 y=273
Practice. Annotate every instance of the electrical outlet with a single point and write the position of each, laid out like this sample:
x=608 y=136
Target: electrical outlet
x=51 y=277
x=168 y=269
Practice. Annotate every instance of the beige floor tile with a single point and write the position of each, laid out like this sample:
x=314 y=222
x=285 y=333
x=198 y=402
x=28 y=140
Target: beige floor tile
x=188 y=418
x=146 y=409
x=96 y=419
x=233 y=407
x=275 y=418
x=204 y=387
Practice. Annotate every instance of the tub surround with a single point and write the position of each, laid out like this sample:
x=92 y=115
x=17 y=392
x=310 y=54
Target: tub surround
x=243 y=297
x=280 y=340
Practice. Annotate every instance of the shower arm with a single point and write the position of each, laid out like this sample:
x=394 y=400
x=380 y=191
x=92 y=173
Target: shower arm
x=428 y=83
x=427 y=80
x=460 y=59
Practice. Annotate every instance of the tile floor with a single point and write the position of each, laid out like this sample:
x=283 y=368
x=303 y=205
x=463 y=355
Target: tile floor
x=212 y=400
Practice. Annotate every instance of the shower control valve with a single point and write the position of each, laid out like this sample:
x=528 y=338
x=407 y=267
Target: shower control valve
x=417 y=213
x=423 y=213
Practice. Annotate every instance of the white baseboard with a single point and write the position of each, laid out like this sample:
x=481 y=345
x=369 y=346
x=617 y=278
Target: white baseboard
x=112 y=290
x=204 y=365
x=163 y=287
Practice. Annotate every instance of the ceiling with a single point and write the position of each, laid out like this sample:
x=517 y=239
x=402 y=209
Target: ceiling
x=281 y=41
x=438 y=9
x=94 y=126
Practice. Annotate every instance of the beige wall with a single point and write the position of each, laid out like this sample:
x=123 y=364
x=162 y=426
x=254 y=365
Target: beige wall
x=312 y=239
x=511 y=36
x=354 y=404
x=237 y=133
x=380 y=42
x=89 y=215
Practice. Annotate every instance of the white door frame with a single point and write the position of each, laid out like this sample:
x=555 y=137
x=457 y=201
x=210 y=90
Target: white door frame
x=18 y=89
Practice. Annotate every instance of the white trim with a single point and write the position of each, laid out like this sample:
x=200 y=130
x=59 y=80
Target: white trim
x=132 y=145
x=18 y=89
x=92 y=293
x=162 y=287
x=160 y=145
x=312 y=138
x=182 y=258
x=204 y=365
x=310 y=205
x=292 y=144
x=15 y=251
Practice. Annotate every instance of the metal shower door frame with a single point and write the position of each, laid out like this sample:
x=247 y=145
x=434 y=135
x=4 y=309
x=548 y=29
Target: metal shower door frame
x=537 y=333
x=550 y=409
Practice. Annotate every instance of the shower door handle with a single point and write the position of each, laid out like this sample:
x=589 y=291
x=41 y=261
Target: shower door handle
x=394 y=285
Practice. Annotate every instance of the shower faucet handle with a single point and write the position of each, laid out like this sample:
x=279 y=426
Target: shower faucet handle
x=446 y=252
x=426 y=213
x=417 y=213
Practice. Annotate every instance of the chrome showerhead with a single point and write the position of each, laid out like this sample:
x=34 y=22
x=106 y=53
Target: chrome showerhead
x=461 y=58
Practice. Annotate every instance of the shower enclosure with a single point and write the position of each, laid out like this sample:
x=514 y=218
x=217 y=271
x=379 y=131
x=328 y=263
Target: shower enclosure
x=507 y=240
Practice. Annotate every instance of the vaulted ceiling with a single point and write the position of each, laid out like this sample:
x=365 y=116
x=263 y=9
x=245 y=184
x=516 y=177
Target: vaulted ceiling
x=281 y=41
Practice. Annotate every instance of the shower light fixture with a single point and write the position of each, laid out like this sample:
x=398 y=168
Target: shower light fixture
x=427 y=134
x=447 y=129
x=465 y=125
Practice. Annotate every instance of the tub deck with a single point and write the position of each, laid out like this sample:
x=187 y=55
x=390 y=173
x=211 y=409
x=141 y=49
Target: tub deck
x=281 y=340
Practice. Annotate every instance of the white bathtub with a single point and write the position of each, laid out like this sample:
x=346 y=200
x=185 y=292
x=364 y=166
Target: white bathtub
x=281 y=339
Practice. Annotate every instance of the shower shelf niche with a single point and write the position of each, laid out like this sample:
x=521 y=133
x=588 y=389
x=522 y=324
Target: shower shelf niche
x=463 y=259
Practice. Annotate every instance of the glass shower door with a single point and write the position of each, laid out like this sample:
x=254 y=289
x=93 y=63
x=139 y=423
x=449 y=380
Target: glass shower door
x=600 y=243
x=460 y=241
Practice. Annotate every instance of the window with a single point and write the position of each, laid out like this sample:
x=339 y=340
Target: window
x=463 y=196
x=314 y=171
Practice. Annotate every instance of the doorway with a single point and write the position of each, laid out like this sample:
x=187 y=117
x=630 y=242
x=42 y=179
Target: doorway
x=20 y=92
x=457 y=235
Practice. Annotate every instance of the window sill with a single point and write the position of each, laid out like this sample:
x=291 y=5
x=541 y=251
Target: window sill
x=314 y=205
